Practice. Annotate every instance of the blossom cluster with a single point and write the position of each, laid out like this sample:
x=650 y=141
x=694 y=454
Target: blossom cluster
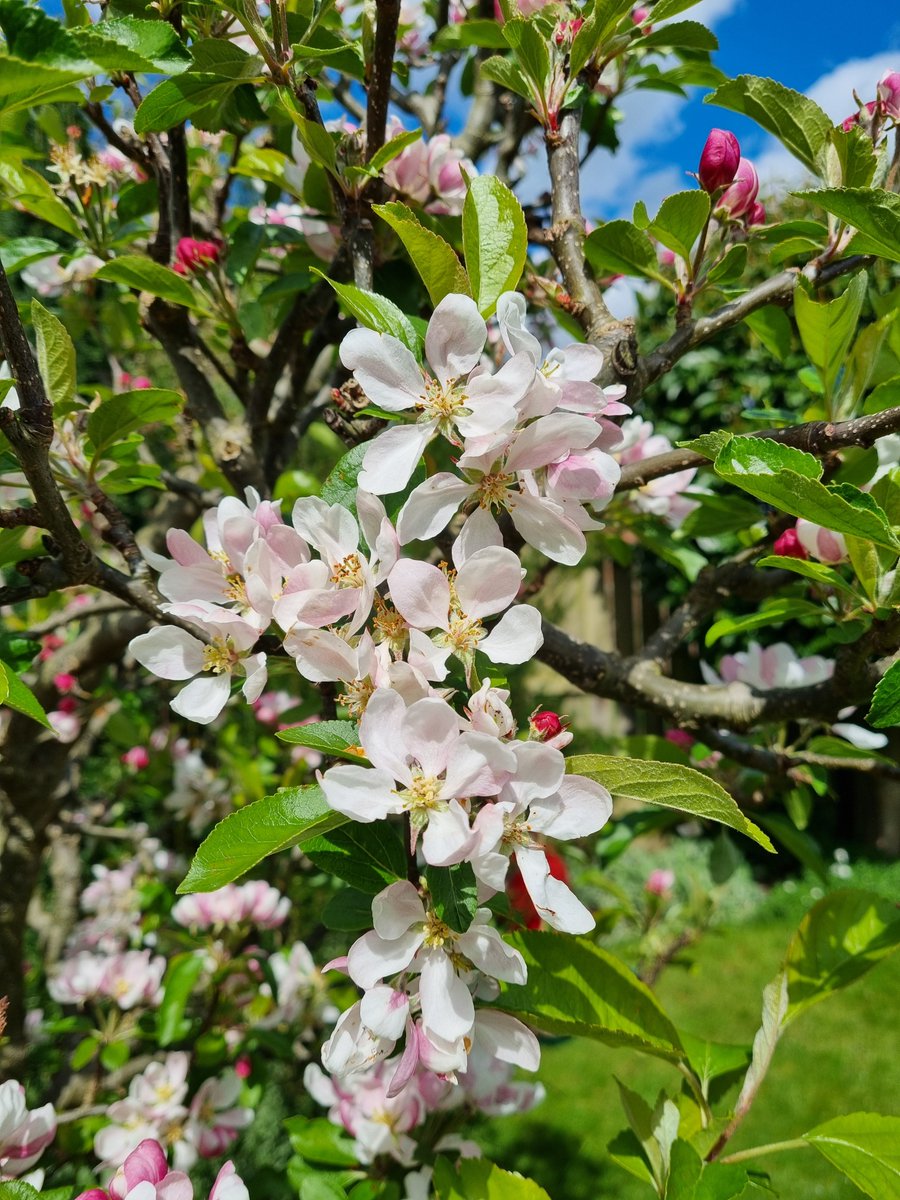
x=145 y=1175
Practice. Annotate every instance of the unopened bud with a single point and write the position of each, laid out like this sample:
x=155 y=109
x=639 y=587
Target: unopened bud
x=193 y=255
x=719 y=160
x=566 y=31
x=740 y=197
x=788 y=545
x=889 y=94
x=545 y=724
x=756 y=215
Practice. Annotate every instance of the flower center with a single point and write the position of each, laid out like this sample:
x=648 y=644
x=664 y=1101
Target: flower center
x=348 y=572
x=437 y=933
x=422 y=793
x=388 y=626
x=443 y=402
x=463 y=636
x=493 y=489
x=219 y=656
x=356 y=695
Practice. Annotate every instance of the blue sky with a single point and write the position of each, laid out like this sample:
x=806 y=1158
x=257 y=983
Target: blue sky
x=824 y=48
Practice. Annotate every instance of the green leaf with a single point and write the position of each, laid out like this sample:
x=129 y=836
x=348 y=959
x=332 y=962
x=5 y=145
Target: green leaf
x=182 y=974
x=182 y=98
x=530 y=48
x=788 y=479
x=680 y=35
x=619 y=248
x=816 y=571
x=129 y=44
x=680 y=220
x=874 y=212
x=827 y=327
x=337 y=739
x=435 y=260
x=850 y=158
x=55 y=354
x=244 y=838
x=495 y=240
x=841 y=938
x=772 y=325
x=577 y=988
x=318 y=1141
x=664 y=9
x=866 y=1148
x=712 y=1060
x=17 y=1189
x=14 y=694
x=798 y=122
x=454 y=894
x=690 y=1178
x=16 y=253
x=668 y=785
x=348 y=911
x=368 y=857
x=885 y=708
x=392 y=148
x=507 y=74
x=340 y=486
x=123 y=414
x=143 y=274
x=24 y=85
x=375 y=312
x=771 y=612
x=318 y=143
x=471 y=32
x=655 y=1128
x=478 y=1179
x=731 y=265
x=601 y=21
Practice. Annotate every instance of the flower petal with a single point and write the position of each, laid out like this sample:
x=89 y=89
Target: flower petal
x=392 y=457
x=488 y=581
x=363 y=793
x=203 y=699
x=455 y=337
x=169 y=652
x=386 y=370
x=516 y=637
x=430 y=506
x=447 y=1007
x=555 y=902
x=421 y=594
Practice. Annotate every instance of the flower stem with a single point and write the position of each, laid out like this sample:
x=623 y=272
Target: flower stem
x=770 y=1148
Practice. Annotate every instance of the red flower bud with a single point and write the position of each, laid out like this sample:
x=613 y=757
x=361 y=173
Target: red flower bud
x=719 y=160
x=756 y=215
x=546 y=724
x=193 y=255
x=788 y=545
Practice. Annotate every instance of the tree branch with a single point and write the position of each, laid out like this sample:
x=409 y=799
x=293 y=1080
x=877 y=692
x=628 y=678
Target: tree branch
x=379 y=90
x=777 y=290
x=815 y=437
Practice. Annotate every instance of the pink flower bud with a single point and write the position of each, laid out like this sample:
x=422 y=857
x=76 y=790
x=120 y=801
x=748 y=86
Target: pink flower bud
x=137 y=757
x=67 y=705
x=889 y=93
x=788 y=545
x=566 y=31
x=546 y=724
x=719 y=160
x=64 y=682
x=821 y=544
x=680 y=738
x=193 y=255
x=660 y=882
x=639 y=16
x=756 y=215
x=243 y=1067
x=741 y=196
x=141 y=382
x=855 y=118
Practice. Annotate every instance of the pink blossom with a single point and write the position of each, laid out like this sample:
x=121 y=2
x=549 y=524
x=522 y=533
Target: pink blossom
x=870 y=109
x=738 y=199
x=422 y=749
x=64 y=682
x=137 y=757
x=719 y=160
x=776 y=666
x=214 y=1117
x=24 y=1134
x=660 y=882
x=255 y=903
x=193 y=255
x=662 y=496
x=889 y=93
x=680 y=738
x=66 y=725
x=548 y=727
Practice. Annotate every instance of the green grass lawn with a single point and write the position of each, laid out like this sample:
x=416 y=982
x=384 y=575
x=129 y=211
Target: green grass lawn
x=840 y=1057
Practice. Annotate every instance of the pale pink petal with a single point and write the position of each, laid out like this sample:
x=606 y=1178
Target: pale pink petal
x=385 y=1011
x=363 y=793
x=479 y=532
x=455 y=337
x=516 y=637
x=488 y=581
x=480 y=766
x=580 y=808
x=373 y=958
x=448 y=837
x=484 y=946
x=507 y=1039
x=396 y=909
x=447 y=1007
x=430 y=506
x=321 y=655
x=545 y=526
x=168 y=652
x=381 y=736
x=555 y=902
x=392 y=457
x=203 y=699
x=549 y=438
x=386 y=370
x=421 y=594
x=430 y=734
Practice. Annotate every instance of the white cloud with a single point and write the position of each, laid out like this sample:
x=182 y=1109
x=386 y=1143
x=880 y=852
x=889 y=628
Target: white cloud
x=834 y=93
x=710 y=12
